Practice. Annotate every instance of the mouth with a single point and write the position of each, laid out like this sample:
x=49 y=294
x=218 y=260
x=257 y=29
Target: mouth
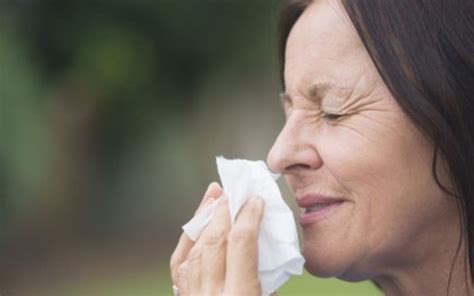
x=317 y=207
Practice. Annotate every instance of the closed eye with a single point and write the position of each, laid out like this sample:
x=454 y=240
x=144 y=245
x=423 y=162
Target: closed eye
x=331 y=116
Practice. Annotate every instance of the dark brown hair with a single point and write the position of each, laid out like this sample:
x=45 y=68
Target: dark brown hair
x=423 y=50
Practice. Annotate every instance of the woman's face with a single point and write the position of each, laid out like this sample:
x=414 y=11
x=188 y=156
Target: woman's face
x=363 y=177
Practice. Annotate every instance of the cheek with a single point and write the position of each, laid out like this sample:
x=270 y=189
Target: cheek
x=376 y=153
x=387 y=173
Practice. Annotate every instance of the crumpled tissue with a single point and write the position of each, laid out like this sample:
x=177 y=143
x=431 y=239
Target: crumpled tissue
x=278 y=249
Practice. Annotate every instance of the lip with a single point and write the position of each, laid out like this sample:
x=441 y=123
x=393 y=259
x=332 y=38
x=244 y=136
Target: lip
x=317 y=207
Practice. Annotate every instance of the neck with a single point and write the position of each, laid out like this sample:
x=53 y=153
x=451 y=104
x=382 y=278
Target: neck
x=444 y=275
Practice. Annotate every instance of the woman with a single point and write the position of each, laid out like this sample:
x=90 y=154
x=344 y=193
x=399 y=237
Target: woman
x=377 y=149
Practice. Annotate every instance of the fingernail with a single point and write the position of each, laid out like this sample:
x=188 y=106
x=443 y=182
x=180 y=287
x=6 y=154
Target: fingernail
x=213 y=184
x=214 y=190
x=209 y=188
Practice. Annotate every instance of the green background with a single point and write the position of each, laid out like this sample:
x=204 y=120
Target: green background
x=111 y=114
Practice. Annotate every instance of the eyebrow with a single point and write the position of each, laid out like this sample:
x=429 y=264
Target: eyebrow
x=315 y=92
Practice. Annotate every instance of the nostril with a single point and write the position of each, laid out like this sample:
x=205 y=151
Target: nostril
x=297 y=167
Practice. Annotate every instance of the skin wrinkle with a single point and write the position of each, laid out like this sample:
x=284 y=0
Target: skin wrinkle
x=335 y=99
x=359 y=100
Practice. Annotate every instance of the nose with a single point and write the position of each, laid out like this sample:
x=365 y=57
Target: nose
x=294 y=149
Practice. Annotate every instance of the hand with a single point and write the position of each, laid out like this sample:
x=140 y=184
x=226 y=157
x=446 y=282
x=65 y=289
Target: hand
x=224 y=260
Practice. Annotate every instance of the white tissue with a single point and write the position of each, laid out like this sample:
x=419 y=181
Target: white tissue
x=278 y=249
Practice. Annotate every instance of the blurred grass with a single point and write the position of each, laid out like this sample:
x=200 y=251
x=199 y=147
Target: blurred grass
x=150 y=285
x=310 y=285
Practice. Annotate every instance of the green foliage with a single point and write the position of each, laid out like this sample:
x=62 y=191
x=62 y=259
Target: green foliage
x=22 y=134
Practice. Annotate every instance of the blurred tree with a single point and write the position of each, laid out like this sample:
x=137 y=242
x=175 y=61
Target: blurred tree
x=142 y=57
x=104 y=106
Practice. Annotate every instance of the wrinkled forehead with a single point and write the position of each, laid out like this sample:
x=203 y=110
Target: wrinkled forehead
x=322 y=35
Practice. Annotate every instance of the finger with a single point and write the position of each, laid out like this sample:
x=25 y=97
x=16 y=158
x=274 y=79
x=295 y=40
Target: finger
x=213 y=191
x=185 y=244
x=181 y=252
x=242 y=251
x=214 y=243
x=192 y=277
x=180 y=282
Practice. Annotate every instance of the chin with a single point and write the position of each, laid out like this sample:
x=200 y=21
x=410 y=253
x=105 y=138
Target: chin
x=332 y=271
x=337 y=264
x=323 y=266
x=319 y=271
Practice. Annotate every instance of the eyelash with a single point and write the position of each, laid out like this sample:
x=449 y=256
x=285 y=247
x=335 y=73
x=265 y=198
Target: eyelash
x=331 y=116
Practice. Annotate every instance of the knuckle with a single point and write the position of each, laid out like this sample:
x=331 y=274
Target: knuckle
x=215 y=238
x=181 y=276
x=174 y=261
x=241 y=233
x=195 y=254
x=182 y=268
x=177 y=272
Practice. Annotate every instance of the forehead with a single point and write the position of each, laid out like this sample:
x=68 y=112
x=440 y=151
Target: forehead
x=321 y=44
